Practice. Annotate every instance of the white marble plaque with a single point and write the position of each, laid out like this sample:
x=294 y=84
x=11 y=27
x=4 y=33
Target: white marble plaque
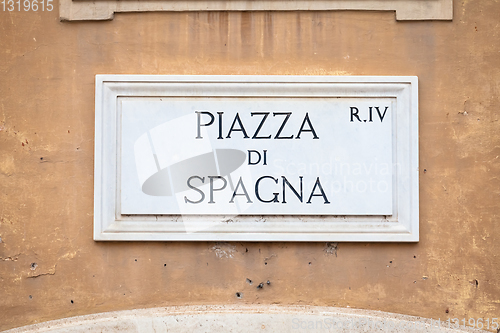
x=256 y=158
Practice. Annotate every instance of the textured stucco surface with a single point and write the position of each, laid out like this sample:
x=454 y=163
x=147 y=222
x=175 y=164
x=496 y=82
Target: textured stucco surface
x=51 y=268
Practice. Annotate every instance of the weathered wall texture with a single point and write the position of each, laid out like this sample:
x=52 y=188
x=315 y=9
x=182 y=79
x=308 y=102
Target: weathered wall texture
x=51 y=268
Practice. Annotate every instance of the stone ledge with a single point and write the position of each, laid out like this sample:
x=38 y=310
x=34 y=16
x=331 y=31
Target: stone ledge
x=241 y=318
x=74 y=10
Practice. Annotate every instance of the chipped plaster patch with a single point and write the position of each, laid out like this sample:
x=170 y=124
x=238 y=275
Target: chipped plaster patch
x=7 y=165
x=224 y=250
x=11 y=258
x=331 y=248
x=51 y=271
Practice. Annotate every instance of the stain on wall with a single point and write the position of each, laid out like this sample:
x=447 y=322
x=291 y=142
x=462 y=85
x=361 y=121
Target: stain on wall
x=51 y=268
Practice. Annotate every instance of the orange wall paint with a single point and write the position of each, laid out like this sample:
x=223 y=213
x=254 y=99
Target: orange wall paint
x=46 y=164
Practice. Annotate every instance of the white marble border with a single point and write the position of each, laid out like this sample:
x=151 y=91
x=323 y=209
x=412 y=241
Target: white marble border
x=244 y=318
x=401 y=226
x=74 y=10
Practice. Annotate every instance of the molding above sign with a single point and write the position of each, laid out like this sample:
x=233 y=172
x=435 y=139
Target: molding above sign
x=170 y=166
x=74 y=10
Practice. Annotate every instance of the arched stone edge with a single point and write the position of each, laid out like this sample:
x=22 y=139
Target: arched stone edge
x=82 y=10
x=242 y=318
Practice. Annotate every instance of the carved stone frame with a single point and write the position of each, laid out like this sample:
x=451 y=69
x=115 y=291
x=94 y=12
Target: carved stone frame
x=74 y=10
x=109 y=224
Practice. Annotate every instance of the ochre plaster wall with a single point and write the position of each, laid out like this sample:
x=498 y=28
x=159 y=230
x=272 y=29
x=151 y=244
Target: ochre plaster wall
x=51 y=268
